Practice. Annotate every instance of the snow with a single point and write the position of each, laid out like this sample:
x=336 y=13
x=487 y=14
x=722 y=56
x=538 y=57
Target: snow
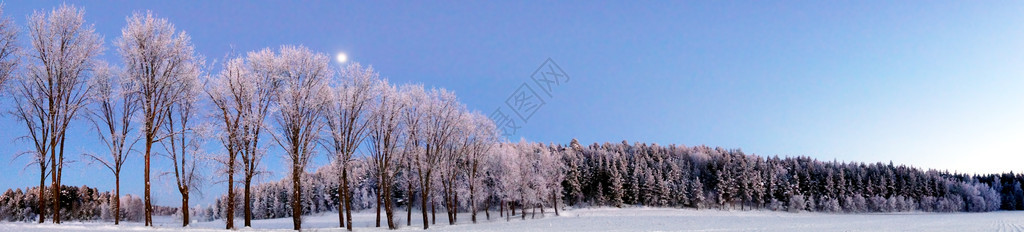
x=610 y=219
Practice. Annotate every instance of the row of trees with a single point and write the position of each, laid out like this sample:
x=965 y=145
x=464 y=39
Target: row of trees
x=291 y=96
x=537 y=176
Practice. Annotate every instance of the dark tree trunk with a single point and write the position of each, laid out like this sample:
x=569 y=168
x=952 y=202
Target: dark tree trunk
x=378 y=205
x=117 y=198
x=296 y=195
x=55 y=187
x=348 y=198
x=389 y=205
x=455 y=206
x=554 y=201
x=42 y=193
x=184 y=208
x=522 y=211
x=148 y=203
x=433 y=212
x=408 y=205
x=423 y=204
x=247 y=200
x=341 y=197
x=230 y=219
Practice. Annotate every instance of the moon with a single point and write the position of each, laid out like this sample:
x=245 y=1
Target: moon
x=342 y=57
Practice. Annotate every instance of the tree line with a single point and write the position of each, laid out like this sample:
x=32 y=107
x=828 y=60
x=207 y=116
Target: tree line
x=82 y=203
x=390 y=146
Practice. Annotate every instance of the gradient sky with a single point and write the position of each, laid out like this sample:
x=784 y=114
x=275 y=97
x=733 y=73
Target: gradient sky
x=934 y=86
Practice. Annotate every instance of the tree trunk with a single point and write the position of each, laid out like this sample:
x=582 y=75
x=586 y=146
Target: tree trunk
x=408 y=205
x=60 y=174
x=341 y=197
x=487 y=210
x=522 y=211
x=54 y=188
x=554 y=201
x=230 y=217
x=247 y=200
x=42 y=193
x=455 y=206
x=149 y=206
x=448 y=203
x=423 y=203
x=184 y=208
x=472 y=203
x=378 y=205
x=348 y=198
x=296 y=195
x=389 y=206
x=433 y=212
x=117 y=198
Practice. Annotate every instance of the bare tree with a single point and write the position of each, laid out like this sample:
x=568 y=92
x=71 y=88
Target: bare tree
x=439 y=113
x=477 y=135
x=8 y=48
x=456 y=161
x=55 y=89
x=183 y=141
x=157 y=61
x=346 y=117
x=300 y=105
x=385 y=135
x=242 y=94
x=113 y=106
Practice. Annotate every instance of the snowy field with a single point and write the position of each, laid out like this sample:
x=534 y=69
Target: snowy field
x=606 y=219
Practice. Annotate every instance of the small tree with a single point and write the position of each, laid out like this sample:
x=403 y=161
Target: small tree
x=184 y=138
x=113 y=106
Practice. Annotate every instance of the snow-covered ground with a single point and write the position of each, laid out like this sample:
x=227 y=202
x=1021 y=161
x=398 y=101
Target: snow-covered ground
x=610 y=219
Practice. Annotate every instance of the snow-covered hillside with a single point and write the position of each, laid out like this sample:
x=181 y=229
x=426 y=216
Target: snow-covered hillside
x=612 y=219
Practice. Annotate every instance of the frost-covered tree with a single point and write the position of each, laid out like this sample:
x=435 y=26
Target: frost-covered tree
x=185 y=136
x=346 y=116
x=385 y=135
x=242 y=94
x=300 y=104
x=54 y=88
x=158 y=61
x=113 y=107
x=477 y=136
x=437 y=111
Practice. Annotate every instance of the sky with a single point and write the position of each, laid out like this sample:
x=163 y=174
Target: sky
x=936 y=85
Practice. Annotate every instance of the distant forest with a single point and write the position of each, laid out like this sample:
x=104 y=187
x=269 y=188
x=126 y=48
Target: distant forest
x=614 y=175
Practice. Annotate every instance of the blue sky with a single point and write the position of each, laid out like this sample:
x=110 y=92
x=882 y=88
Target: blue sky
x=935 y=86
